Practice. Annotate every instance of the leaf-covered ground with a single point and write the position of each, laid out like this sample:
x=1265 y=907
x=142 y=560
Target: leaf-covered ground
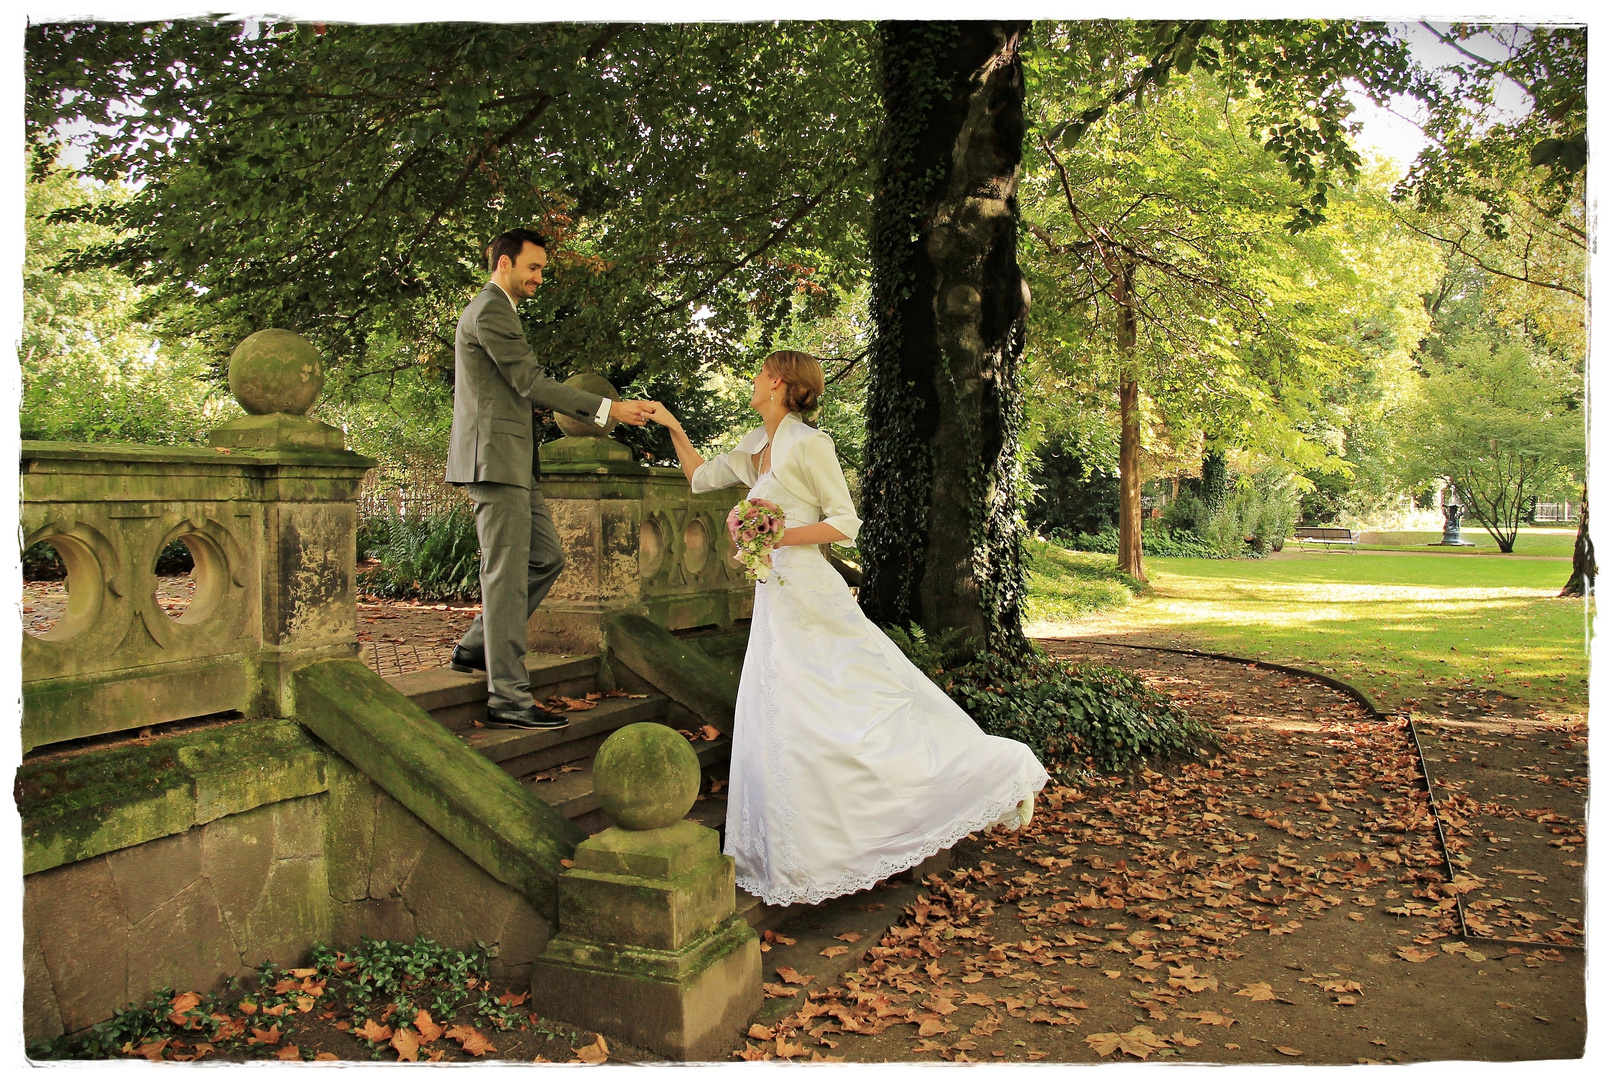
x=1280 y=900
x=1283 y=899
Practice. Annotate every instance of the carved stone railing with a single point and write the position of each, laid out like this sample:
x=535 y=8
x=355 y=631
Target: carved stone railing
x=636 y=539
x=268 y=514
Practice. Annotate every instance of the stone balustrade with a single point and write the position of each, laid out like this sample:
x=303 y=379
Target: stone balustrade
x=268 y=515
x=636 y=539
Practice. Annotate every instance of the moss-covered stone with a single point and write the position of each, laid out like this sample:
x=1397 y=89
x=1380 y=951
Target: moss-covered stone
x=482 y=810
x=646 y=776
x=74 y=808
x=680 y=670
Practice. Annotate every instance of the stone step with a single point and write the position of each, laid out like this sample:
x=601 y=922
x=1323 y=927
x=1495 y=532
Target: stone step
x=457 y=699
x=521 y=753
x=569 y=788
x=763 y=916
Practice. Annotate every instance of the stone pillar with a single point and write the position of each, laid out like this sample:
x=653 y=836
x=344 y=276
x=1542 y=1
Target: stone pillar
x=636 y=540
x=649 y=947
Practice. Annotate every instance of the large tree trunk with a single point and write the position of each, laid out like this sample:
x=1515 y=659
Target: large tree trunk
x=1129 y=509
x=1584 y=568
x=942 y=542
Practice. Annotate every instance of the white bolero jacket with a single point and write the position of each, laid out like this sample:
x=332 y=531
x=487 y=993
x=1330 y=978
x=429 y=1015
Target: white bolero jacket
x=803 y=460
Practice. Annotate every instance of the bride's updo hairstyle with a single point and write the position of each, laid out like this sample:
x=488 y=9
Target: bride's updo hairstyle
x=803 y=382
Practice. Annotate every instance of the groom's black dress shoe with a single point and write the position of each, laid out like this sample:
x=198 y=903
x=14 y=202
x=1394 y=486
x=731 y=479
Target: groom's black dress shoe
x=467 y=660
x=530 y=718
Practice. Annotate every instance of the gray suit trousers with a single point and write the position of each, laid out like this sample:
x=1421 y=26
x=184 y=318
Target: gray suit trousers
x=520 y=559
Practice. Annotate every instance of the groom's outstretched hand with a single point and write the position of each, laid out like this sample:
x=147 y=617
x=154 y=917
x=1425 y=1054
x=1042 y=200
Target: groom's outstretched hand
x=636 y=413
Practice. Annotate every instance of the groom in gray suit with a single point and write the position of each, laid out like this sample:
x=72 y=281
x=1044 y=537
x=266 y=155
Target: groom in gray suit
x=493 y=455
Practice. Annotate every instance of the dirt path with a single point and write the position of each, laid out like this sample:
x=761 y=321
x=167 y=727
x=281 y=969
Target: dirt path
x=1281 y=900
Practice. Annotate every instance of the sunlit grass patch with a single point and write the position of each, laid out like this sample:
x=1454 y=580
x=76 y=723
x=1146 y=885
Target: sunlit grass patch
x=1396 y=626
x=1065 y=585
x=1556 y=542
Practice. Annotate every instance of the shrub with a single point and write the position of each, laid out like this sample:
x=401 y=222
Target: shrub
x=1077 y=718
x=1256 y=516
x=434 y=556
x=1158 y=541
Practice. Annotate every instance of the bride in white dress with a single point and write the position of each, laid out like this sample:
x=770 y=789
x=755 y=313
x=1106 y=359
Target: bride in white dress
x=848 y=764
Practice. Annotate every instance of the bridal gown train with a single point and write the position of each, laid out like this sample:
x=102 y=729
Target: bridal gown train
x=848 y=763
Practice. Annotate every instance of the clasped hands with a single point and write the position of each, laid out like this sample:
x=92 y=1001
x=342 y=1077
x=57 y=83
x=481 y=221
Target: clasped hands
x=636 y=413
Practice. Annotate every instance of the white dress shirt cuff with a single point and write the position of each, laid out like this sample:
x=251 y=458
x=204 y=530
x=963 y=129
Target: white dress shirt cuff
x=602 y=419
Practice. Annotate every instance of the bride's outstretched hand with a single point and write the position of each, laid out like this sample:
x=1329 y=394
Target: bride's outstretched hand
x=661 y=415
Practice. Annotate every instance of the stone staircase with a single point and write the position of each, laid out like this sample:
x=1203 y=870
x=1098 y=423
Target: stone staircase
x=557 y=765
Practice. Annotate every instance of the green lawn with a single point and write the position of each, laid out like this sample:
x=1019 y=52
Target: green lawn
x=1390 y=624
x=1541 y=541
x=1066 y=585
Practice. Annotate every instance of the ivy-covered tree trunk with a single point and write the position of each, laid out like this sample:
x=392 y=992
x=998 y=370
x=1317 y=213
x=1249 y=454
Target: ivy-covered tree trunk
x=942 y=542
x=1584 y=567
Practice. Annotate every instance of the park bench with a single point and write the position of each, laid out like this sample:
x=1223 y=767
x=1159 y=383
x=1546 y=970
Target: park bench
x=1326 y=537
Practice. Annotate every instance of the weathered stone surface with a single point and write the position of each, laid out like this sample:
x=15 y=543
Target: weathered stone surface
x=510 y=833
x=678 y=669
x=379 y=919
x=183 y=944
x=292 y=911
x=236 y=853
x=75 y=914
x=120 y=662
x=524 y=936
x=299 y=828
x=149 y=875
x=697 y=1017
x=646 y=912
x=276 y=371
x=658 y=853
x=400 y=839
x=646 y=776
x=41 y=1019
x=454 y=900
x=88 y=804
x=349 y=830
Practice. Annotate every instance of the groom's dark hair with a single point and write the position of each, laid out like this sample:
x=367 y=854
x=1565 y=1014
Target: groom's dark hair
x=511 y=244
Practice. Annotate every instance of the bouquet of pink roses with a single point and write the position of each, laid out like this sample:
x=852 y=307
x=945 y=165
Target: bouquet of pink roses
x=755 y=526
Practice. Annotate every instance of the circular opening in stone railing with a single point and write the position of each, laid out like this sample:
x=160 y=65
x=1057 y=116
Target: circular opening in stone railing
x=650 y=548
x=190 y=572
x=61 y=587
x=696 y=546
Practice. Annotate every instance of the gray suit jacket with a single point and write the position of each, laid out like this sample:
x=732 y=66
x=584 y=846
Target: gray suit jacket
x=496 y=381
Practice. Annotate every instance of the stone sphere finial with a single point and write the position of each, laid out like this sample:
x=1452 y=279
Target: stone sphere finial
x=276 y=371
x=593 y=384
x=646 y=776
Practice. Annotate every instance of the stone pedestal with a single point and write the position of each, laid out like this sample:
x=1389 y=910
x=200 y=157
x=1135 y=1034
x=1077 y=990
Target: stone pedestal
x=650 y=948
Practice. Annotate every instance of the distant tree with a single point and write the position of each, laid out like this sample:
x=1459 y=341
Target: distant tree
x=94 y=370
x=1505 y=190
x=1500 y=422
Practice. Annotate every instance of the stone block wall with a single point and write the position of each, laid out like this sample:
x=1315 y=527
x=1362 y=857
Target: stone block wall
x=191 y=909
